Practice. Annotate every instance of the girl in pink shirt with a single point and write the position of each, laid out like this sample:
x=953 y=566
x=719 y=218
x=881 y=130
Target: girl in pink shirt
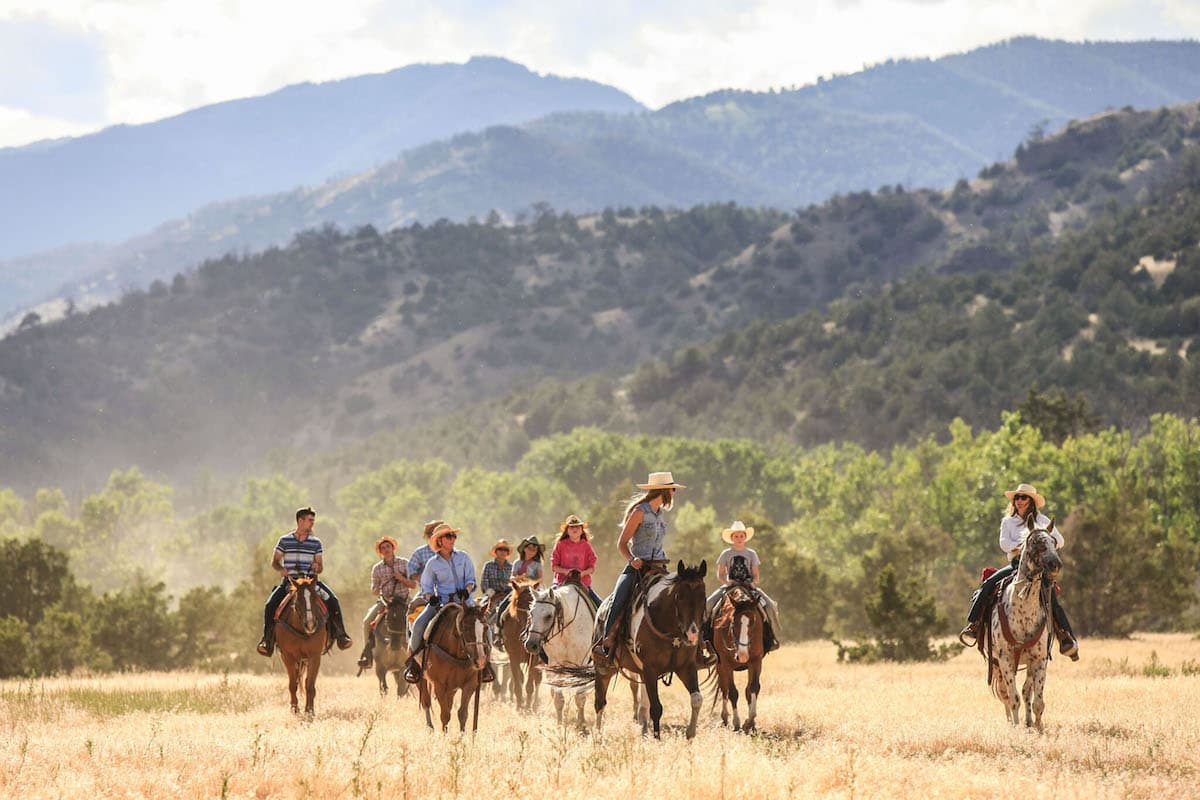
x=573 y=551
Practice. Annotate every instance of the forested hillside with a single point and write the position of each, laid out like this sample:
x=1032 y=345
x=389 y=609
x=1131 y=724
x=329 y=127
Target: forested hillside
x=921 y=123
x=341 y=336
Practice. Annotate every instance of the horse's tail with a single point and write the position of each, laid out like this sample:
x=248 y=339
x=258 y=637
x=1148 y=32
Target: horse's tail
x=563 y=676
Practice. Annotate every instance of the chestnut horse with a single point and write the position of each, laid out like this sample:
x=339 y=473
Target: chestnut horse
x=738 y=641
x=301 y=637
x=457 y=649
x=661 y=640
x=522 y=666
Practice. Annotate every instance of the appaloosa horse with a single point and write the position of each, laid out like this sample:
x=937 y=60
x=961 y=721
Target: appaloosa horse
x=1020 y=628
x=738 y=641
x=391 y=644
x=457 y=649
x=522 y=666
x=301 y=637
x=561 y=620
x=661 y=640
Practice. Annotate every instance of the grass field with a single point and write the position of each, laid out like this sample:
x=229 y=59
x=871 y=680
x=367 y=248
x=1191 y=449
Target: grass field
x=1124 y=722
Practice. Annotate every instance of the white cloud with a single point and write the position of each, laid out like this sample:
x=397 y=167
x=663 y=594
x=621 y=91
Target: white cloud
x=161 y=57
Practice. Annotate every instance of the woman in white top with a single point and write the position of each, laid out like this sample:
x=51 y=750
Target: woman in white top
x=1023 y=502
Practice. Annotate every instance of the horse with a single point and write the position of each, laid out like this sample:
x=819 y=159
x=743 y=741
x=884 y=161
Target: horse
x=738 y=638
x=391 y=644
x=522 y=666
x=561 y=620
x=664 y=631
x=301 y=637
x=1020 y=627
x=457 y=649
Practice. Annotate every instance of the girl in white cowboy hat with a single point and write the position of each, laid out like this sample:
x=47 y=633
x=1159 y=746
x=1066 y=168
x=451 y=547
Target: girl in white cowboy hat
x=642 y=534
x=1023 y=502
x=739 y=564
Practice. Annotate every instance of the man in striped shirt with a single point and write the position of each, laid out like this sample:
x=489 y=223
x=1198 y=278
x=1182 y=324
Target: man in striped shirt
x=300 y=553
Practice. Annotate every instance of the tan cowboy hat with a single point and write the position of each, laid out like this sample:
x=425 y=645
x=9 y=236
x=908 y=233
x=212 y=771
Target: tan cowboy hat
x=388 y=539
x=438 y=532
x=1028 y=490
x=737 y=525
x=501 y=543
x=572 y=520
x=427 y=531
x=661 y=480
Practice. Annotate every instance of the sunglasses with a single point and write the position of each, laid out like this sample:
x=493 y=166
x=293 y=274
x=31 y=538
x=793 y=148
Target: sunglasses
x=448 y=536
x=1017 y=497
x=500 y=550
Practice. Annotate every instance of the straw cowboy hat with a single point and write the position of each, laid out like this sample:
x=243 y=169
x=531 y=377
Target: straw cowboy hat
x=572 y=520
x=501 y=543
x=532 y=540
x=440 y=531
x=427 y=530
x=661 y=480
x=1028 y=491
x=738 y=525
x=388 y=540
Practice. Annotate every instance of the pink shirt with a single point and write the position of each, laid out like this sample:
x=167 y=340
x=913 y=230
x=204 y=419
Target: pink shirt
x=573 y=555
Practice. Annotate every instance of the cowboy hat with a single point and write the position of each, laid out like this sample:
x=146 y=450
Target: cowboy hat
x=427 y=531
x=738 y=525
x=532 y=540
x=389 y=540
x=572 y=520
x=501 y=543
x=440 y=531
x=661 y=480
x=1029 y=491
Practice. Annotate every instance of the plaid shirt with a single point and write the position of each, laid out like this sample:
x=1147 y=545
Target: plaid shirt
x=496 y=576
x=383 y=579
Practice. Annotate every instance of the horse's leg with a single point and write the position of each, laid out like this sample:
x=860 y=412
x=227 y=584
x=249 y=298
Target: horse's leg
x=425 y=701
x=650 y=684
x=293 y=671
x=310 y=682
x=600 y=686
x=1035 y=682
x=641 y=706
x=557 y=694
x=518 y=678
x=754 y=671
x=381 y=669
x=691 y=681
x=445 y=698
x=464 y=705
x=535 y=677
x=731 y=692
x=580 y=700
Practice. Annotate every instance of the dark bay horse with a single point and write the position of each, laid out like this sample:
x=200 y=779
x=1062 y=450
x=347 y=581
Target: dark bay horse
x=458 y=647
x=661 y=640
x=391 y=645
x=522 y=666
x=301 y=637
x=738 y=640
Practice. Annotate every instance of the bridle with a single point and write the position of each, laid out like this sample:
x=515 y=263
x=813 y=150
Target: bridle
x=557 y=626
x=676 y=641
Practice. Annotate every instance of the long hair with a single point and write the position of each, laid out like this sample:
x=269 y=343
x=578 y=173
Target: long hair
x=646 y=497
x=583 y=537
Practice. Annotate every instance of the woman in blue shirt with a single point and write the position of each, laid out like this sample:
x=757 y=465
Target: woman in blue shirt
x=641 y=541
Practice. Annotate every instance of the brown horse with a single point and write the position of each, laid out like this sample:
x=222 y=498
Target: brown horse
x=301 y=637
x=523 y=666
x=738 y=640
x=457 y=649
x=661 y=640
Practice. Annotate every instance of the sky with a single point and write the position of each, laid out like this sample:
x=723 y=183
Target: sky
x=69 y=67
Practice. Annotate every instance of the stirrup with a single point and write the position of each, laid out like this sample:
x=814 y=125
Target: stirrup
x=265 y=647
x=1069 y=647
x=365 y=660
x=412 y=672
x=344 y=642
x=970 y=632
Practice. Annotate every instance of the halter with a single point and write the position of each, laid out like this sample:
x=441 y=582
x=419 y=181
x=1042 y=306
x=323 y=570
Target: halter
x=558 y=626
x=733 y=618
x=467 y=646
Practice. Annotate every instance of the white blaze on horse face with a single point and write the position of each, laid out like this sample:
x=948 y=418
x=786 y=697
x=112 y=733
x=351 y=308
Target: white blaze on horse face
x=481 y=655
x=743 y=640
x=693 y=633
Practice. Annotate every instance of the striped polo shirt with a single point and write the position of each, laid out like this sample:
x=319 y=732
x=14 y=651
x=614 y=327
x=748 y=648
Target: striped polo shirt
x=297 y=555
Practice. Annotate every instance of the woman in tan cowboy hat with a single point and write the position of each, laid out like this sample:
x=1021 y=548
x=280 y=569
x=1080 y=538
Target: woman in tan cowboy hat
x=643 y=532
x=739 y=564
x=572 y=551
x=1023 y=502
x=389 y=581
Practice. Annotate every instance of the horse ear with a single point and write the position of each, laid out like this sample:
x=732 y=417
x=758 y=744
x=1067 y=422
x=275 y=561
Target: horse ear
x=1050 y=527
x=679 y=567
x=703 y=568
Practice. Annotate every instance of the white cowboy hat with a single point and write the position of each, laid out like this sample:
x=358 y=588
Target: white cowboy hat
x=738 y=525
x=1028 y=491
x=661 y=480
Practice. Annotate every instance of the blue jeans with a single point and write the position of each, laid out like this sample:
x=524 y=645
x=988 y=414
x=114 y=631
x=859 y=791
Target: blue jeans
x=620 y=597
x=987 y=588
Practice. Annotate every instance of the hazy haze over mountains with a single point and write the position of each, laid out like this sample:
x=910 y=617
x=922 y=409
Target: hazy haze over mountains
x=917 y=123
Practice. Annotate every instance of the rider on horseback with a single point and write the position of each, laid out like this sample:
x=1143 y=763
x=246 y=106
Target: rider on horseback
x=1024 y=501
x=496 y=574
x=300 y=553
x=448 y=573
x=389 y=583
x=640 y=544
x=738 y=565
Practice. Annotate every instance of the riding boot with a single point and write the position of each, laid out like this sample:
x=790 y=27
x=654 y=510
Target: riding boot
x=770 y=640
x=498 y=638
x=412 y=667
x=604 y=647
x=1067 y=645
x=266 y=645
x=367 y=657
x=487 y=674
x=338 y=628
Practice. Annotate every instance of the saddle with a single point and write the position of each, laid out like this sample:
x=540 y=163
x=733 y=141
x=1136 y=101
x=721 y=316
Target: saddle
x=291 y=596
x=437 y=618
x=985 y=613
x=650 y=574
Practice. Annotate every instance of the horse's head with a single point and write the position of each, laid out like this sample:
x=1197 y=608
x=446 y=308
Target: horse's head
x=476 y=635
x=396 y=618
x=687 y=586
x=1039 y=554
x=740 y=614
x=544 y=613
x=522 y=594
x=306 y=609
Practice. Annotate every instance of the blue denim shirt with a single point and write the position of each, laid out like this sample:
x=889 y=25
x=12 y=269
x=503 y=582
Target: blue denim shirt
x=647 y=541
x=443 y=577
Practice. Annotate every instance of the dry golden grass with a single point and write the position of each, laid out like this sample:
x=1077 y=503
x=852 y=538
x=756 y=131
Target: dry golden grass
x=1116 y=726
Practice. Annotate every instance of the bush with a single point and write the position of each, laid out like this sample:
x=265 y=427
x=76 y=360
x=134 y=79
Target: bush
x=904 y=618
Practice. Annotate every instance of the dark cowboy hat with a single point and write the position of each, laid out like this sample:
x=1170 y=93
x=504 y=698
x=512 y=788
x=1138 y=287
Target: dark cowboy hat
x=532 y=540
